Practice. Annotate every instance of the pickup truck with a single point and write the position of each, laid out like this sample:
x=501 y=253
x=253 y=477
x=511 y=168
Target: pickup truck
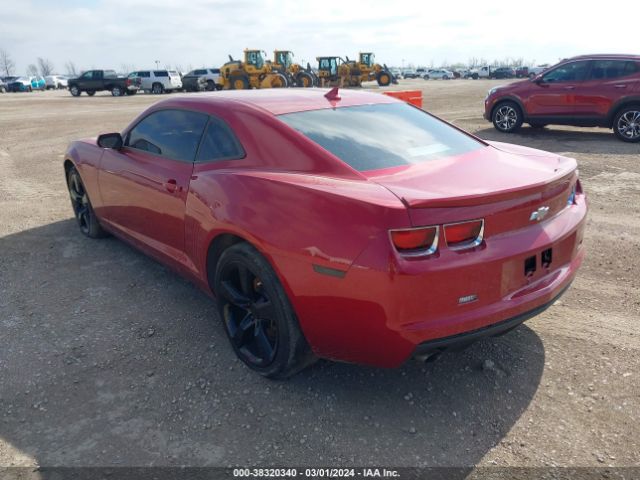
x=94 y=81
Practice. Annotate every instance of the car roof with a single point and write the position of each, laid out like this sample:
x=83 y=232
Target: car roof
x=279 y=101
x=613 y=56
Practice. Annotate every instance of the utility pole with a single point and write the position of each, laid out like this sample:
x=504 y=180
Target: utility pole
x=157 y=64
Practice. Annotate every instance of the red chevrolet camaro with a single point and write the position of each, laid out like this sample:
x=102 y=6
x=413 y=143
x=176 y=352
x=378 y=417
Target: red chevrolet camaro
x=349 y=226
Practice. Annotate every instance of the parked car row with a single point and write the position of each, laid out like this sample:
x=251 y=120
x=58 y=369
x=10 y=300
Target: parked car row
x=149 y=81
x=29 y=83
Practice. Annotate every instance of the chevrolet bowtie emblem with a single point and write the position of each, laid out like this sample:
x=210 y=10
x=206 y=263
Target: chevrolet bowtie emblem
x=539 y=214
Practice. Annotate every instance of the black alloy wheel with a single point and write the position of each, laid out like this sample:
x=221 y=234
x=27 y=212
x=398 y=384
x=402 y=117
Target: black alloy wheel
x=85 y=216
x=257 y=316
x=249 y=315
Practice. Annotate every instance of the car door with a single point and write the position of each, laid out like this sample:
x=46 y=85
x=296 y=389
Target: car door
x=96 y=81
x=607 y=83
x=553 y=94
x=144 y=185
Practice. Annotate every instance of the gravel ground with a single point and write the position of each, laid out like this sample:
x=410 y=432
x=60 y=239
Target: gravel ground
x=108 y=358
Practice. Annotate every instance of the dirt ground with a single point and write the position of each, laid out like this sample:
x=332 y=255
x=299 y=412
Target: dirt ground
x=108 y=358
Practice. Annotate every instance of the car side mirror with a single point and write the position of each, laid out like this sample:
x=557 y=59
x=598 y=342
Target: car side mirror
x=110 y=140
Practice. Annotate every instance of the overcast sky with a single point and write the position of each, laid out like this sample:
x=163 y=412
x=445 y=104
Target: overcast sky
x=125 y=34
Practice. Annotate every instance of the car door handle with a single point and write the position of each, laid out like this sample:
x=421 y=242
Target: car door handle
x=569 y=87
x=170 y=185
x=620 y=85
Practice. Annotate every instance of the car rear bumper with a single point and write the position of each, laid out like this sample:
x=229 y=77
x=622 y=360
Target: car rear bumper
x=462 y=340
x=381 y=312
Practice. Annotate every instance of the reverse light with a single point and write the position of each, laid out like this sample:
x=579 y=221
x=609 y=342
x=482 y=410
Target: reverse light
x=415 y=241
x=464 y=234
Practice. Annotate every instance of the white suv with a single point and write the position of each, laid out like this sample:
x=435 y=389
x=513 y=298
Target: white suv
x=158 y=81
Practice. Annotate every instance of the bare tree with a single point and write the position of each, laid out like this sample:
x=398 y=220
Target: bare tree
x=32 y=70
x=46 y=66
x=473 y=62
x=71 y=69
x=6 y=63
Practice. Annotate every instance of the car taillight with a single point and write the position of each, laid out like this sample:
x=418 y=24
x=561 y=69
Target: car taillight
x=464 y=234
x=415 y=241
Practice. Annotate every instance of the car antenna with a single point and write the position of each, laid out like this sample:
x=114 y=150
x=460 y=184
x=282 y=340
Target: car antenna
x=332 y=95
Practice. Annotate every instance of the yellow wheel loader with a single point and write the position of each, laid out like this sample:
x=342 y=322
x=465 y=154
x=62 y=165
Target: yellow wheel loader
x=369 y=70
x=335 y=72
x=296 y=75
x=253 y=72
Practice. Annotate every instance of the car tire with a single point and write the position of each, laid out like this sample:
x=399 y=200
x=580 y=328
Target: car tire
x=211 y=86
x=259 y=321
x=91 y=93
x=29 y=89
x=82 y=209
x=117 y=91
x=157 y=89
x=626 y=124
x=475 y=76
x=131 y=92
x=507 y=117
x=75 y=91
x=537 y=125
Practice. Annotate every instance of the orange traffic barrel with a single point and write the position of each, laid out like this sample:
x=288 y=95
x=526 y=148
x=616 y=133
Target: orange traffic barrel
x=413 y=97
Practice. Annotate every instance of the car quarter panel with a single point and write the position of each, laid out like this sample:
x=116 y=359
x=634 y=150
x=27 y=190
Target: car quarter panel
x=86 y=157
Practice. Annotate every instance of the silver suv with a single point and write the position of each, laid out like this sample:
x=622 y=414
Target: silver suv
x=158 y=81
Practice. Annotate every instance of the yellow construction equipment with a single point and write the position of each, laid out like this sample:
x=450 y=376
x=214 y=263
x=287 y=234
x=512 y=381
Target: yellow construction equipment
x=334 y=71
x=253 y=72
x=368 y=70
x=296 y=75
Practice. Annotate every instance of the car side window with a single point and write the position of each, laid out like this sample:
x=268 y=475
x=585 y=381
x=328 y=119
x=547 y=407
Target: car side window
x=161 y=73
x=608 y=69
x=173 y=134
x=569 y=72
x=87 y=75
x=219 y=143
x=201 y=72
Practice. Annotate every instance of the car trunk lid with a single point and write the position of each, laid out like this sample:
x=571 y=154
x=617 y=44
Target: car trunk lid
x=504 y=184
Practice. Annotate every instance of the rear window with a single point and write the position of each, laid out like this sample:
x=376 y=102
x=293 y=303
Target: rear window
x=605 y=69
x=371 y=137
